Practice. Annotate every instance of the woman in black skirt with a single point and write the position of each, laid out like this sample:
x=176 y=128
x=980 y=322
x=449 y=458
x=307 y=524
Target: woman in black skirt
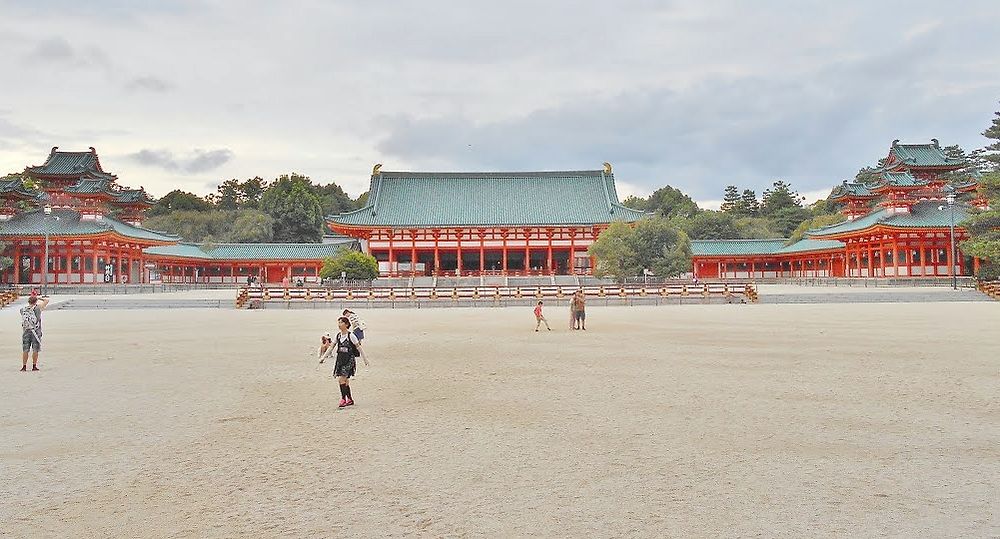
x=348 y=347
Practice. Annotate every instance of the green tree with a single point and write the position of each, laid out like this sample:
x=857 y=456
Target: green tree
x=778 y=197
x=730 y=199
x=984 y=229
x=748 y=205
x=362 y=200
x=234 y=194
x=711 y=225
x=669 y=202
x=661 y=247
x=355 y=264
x=869 y=174
x=634 y=202
x=989 y=155
x=816 y=222
x=216 y=225
x=297 y=214
x=615 y=252
x=756 y=228
x=333 y=200
x=786 y=220
x=251 y=226
x=178 y=200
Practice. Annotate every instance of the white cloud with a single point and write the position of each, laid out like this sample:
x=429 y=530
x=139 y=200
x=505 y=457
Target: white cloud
x=697 y=95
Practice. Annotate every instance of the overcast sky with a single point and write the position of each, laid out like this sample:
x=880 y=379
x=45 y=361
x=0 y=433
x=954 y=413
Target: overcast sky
x=695 y=94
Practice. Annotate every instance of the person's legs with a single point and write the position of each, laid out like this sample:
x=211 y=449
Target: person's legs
x=538 y=322
x=546 y=324
x=583 y=320
x=25 y=346
x=342 y=381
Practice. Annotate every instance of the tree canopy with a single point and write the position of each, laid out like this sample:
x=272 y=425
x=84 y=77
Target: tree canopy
x=653 y=244
x=984 y=229
x=227 y=226
x=296 y=210
x=355 y=264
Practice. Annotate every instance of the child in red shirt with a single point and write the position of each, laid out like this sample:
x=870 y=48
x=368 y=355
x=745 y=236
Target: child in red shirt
x=539 y=318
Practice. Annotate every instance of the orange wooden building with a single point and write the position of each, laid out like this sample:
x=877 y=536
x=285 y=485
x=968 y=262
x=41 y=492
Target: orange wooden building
x=92 y=230
x=898 y=224
x=474 y=223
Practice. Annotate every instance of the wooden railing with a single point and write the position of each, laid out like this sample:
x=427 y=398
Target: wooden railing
x=990 y=288
x=7 y=297
x=257 y=295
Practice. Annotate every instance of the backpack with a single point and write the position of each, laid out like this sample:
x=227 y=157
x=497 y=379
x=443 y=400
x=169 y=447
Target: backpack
x=355 y=351
x=29 y=321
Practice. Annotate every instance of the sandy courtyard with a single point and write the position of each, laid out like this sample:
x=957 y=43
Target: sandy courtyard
x=716 y=420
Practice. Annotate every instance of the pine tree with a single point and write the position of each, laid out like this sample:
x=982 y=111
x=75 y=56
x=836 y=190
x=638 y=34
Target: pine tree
x=730 y=199
x=989 y=155
x=748 y=205
x=780 y=196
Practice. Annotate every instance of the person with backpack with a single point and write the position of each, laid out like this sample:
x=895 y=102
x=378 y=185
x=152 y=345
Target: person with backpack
x=348 y=348
x=31 y=336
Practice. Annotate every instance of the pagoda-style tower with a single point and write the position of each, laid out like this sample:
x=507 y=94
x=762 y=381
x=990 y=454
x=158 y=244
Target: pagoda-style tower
x=75 y=180
x=911 y=173
x=14 y=195
x=856 y=198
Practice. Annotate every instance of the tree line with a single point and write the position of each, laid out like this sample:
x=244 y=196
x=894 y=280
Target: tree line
x=289 y=209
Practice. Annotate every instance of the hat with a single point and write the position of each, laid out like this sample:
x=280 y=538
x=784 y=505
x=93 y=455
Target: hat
x=327 y=335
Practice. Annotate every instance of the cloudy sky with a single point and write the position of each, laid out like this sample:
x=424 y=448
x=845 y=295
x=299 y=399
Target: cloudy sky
x=695 y=94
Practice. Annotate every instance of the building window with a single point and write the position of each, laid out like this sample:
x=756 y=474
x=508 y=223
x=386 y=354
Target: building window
x=88 y=264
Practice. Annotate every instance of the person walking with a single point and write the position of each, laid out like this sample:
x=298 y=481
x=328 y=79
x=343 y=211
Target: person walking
x=579 y=311
x=348 y=348
x=539 y=318
x=31 y=335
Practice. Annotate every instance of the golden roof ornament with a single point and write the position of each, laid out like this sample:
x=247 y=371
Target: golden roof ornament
x=607 y=167
x=375 y=169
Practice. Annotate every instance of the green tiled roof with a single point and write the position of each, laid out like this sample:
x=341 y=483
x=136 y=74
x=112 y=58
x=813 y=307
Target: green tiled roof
x=922 y=215
x=129 y=196
x=108 y=186
x=850 y=189
x=90 y=186
x=15 y=185
x=736 y=247
x=71 y=163
x=902 y=179
x=65 y=222
x=433 y=199
x=923 y=155
x=255 y=251
x=806 y=245
x=759 y=247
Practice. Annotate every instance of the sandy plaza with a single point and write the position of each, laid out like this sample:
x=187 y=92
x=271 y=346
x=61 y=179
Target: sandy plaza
x=818 y=420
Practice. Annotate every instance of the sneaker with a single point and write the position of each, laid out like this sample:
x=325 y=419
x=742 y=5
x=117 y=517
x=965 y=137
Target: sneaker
x=343 y=402
x=35 y=367
x=350 y=402
x=536 y=330
x=24 y=368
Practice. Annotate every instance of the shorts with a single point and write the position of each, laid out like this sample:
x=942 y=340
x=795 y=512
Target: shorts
x=30 y=341
x=359 y=333
x=345 y=367
x=580 y=315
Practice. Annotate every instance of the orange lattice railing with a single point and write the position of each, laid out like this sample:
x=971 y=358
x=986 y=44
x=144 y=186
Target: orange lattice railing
x=990 y=288
x=256 y=296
